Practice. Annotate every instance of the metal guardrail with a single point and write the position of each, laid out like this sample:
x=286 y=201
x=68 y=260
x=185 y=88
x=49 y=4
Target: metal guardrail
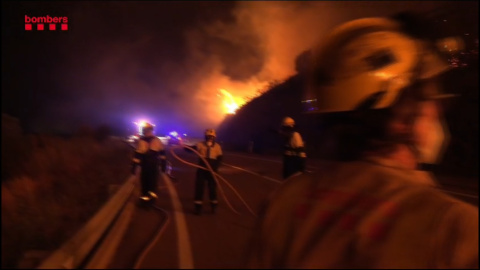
x=77 y=251
x=73 y=253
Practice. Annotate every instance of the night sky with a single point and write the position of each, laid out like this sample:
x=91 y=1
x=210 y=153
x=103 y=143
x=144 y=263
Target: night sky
x=163 y=61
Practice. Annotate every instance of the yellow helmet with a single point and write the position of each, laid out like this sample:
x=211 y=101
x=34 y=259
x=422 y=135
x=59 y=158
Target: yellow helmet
x=147 y=127
x=210 y=132
x=288 y=122
x=367 y=63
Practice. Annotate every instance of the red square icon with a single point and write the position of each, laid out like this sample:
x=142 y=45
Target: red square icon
x=28 y=26
x=64 y=26
x=52 y=26
x=40 y=26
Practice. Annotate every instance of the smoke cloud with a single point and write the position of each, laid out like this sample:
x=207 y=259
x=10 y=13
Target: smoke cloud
x=167 y=62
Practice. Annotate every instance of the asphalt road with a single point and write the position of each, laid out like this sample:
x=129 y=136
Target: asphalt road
x=169 y=235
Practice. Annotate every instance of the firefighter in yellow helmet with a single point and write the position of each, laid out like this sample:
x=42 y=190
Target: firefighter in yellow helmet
x=150 y=156
x=211 y=151
x=294 y=156
x=375 y=83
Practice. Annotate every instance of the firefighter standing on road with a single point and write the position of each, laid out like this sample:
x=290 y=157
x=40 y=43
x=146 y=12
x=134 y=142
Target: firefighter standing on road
x=212 y=152
x=294 y=156
x=150 y=156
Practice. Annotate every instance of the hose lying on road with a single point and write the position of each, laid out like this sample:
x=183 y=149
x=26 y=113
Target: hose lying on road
x=215 y=175
x=139 y=260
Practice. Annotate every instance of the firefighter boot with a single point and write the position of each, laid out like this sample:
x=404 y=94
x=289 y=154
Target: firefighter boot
x=198 y=209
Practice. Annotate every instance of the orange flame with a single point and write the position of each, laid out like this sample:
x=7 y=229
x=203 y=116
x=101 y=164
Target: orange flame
x=231 y=104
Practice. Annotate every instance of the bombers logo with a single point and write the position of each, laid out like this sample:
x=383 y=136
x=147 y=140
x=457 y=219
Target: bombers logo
x=40 y=23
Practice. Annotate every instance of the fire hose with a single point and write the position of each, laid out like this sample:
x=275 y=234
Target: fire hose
x=214 y=174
